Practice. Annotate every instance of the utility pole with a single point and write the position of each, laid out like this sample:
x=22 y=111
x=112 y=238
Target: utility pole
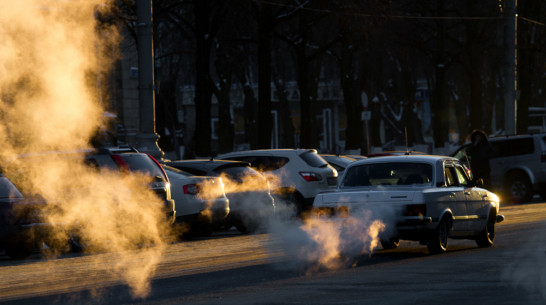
x=146 y=137
x=510 y=67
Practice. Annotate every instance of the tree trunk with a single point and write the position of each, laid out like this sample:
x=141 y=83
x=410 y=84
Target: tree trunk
x=203 y=83
x=264 y=77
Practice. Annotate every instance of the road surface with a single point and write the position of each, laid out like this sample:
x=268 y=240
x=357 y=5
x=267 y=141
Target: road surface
x=230 y=268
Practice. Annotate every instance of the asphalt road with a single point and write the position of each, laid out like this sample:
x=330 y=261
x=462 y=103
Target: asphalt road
x=230 y=268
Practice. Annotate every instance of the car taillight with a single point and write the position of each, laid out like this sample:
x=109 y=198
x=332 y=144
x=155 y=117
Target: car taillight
x=543 y=157
x=310 y=176
x=161 y=167
x=191 y=189
x=415 y=210
x=121 y=163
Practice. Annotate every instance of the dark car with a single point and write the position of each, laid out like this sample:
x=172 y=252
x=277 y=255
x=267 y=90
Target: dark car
x=20 y=223
x=339 y=162
x=124 y=160
x=128 y=160
x=248 y=191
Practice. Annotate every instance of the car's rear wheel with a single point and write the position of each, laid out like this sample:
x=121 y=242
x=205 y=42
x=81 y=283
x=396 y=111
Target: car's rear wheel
x=438 y=242
x=19 y=249
x=487 y=237
x=518 y=188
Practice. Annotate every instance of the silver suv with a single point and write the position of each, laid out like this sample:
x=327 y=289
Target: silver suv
x=518 y=166
x=301 y=173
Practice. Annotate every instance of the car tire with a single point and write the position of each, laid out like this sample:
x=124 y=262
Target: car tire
x=391 y=243
x=542 y=191
x=518 y=188
x=19 y=249
x=487 y=237
x=439 y=241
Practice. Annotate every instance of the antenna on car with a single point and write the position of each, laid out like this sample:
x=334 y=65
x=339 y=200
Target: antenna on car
x=406 y=135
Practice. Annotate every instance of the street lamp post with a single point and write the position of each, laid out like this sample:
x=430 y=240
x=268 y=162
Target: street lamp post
x=510 y=70
x=147 y=136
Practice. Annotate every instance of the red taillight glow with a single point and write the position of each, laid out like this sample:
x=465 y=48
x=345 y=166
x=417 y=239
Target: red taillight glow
x=543 y=157
x=121 y=163
x=161 y=167
x=191 y=189
x=416 y=210
x=310 y=176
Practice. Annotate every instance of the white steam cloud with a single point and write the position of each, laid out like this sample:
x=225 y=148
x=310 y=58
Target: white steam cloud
x=325 y=243
x=51 y=54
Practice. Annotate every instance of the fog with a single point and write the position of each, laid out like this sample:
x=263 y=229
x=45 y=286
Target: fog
x=52 y=54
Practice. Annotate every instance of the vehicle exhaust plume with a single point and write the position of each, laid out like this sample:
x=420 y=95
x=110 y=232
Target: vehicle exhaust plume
x=326 y=243
x=52 y=53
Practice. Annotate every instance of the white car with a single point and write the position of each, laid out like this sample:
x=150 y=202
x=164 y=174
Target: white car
x=200 y=202
x=300 y=174
x=427 y=198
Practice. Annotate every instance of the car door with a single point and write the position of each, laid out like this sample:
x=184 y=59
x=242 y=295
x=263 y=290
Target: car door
x=457 y=199
x=476 y=205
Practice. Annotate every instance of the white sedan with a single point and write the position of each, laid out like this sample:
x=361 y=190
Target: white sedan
x=200 y=202
x=420 y=197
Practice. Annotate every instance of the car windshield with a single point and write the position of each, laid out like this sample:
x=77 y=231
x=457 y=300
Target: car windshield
x=395 y=173
x=142 y=163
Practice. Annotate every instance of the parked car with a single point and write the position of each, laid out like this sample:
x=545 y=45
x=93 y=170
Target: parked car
x=518 y=165
x=21 y=226
x=395 y=153
x=248 y=191
x=128 y=160
x=301 y=173
x=124 y=160
x=197 y=212
x=432 y=198
x=339 y=162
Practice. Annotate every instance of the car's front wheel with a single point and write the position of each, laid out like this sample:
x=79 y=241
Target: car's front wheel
x=438 y=242
x=487 y=237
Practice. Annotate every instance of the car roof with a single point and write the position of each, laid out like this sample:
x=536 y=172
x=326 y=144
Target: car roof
x=405 y=158
x=208 y=165
x=271 y=151
x=395 y=153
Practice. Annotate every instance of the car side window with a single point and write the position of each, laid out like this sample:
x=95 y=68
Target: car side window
x=461 y=176
x=450 y=176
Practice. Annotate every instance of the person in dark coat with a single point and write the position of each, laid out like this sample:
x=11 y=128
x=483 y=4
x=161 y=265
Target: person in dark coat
x=480 y=151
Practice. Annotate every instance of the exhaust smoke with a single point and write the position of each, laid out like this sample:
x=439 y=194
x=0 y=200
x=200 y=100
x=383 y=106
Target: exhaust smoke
x=327 y=243
x=52 y=53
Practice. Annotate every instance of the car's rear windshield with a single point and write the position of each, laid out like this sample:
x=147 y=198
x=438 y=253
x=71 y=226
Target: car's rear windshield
x=395 y=173
x=176 y=170
x=8 y=190
x=142 y=163
x=313 y=159
x=238 y=173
